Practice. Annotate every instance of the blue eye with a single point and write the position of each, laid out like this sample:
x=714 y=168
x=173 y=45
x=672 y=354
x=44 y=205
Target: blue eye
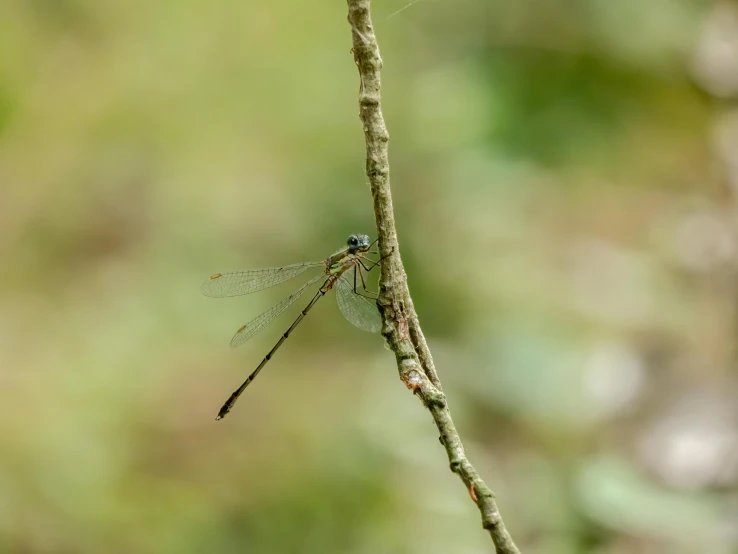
x=353 y=241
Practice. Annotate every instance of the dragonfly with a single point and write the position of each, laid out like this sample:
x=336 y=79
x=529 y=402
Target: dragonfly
x=342 y=271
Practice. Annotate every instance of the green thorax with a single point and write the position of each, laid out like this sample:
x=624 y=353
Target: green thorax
x=340 y=262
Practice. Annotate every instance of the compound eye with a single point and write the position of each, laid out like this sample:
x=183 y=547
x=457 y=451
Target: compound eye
x=353 y=241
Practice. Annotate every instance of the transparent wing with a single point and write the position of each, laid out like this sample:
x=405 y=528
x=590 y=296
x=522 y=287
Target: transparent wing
x=358 y=310
x=260 y=322
x=235 y=283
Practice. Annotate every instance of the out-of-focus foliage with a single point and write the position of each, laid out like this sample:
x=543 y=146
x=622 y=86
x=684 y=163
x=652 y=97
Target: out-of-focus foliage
x=564 y=178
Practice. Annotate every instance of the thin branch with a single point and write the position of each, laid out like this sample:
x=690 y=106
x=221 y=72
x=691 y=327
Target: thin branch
x=401 y=328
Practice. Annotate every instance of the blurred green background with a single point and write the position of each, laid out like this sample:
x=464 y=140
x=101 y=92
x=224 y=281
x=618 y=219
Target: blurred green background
x=564 y=177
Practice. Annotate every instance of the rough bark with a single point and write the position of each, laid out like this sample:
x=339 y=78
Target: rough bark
x=401 y=328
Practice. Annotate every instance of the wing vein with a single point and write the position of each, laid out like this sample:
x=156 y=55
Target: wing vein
x=261 y=321
x=236 y=283
x=358 y=310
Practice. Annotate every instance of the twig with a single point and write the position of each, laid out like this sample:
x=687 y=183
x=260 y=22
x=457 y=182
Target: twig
x=401 y=328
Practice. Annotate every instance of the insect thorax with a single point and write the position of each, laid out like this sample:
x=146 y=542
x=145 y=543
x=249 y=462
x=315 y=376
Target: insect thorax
x=338 y=263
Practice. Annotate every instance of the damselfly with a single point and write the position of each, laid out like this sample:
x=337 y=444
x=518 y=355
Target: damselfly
x=342 y=270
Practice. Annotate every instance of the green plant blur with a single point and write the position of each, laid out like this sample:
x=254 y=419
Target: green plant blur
x=568 y=227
